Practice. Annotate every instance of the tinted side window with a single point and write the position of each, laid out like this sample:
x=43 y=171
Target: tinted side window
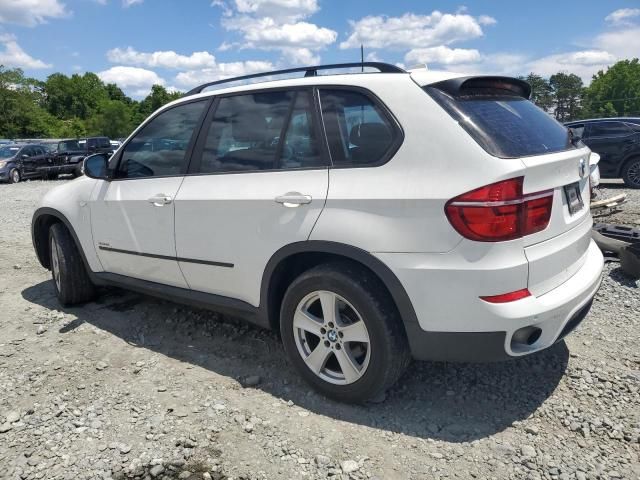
x=609 y=129
x=159 y=149
x=28 y=151
x=359 y=133
x=300 y=147
x=262 y=131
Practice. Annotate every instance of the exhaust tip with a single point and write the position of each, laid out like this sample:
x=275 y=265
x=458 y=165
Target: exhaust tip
x=525 y=337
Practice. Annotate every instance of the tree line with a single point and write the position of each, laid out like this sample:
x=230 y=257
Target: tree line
x=71 y=106
x=83 y=105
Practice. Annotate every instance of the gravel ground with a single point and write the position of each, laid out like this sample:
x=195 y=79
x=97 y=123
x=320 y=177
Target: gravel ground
x=132 y=387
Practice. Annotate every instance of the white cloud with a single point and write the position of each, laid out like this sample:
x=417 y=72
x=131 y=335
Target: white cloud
x=136 y=81
x=276 y=25
x=486 y=20
x=162 y=59
x=622 y=43
x=221 y=71
x=289 y=9
x=30 y=13
x=12 y=55
x=622 y=15
x=129 y=3
x=583 y=63
x=267 y=33
x=442 y=55
x=414 y=31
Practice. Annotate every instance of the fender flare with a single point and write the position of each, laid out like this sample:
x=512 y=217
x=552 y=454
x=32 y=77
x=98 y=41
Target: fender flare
x=380 y=269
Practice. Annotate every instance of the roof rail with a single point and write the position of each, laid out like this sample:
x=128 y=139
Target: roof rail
x=309 y=72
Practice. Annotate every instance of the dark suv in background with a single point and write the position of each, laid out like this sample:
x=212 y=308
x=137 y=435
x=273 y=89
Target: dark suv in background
x=617 y=141
x=20 y=161
x=68 y=156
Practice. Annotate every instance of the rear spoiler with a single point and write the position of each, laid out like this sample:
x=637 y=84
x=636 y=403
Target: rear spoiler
x=470 y=86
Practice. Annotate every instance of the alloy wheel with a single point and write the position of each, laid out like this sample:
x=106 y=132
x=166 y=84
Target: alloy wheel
x=331 y=337
x=633 y=173
x=15 y=176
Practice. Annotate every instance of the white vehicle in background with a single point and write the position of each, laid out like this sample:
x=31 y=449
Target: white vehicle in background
x=368 y=217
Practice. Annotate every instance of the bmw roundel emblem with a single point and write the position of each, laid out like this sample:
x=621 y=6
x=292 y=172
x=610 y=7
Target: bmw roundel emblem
x=582 y=168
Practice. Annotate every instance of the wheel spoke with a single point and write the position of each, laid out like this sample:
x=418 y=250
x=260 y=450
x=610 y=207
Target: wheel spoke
x=329 y=307
x=356 y=332
x=304 y=321
x=349 y=369
x=318 y=358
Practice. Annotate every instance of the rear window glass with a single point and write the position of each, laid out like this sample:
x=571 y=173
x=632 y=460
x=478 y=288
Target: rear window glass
x=609 y=129
x=506 y=126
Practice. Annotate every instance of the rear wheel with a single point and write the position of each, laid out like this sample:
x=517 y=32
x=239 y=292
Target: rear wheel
x=342 y=332
x=631 y=173
x=14 y=176
x=70 y=279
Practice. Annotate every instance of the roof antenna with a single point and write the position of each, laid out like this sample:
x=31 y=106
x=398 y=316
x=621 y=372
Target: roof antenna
x=362 y=57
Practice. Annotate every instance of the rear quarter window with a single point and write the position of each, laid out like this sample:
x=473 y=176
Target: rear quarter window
x=506 y=126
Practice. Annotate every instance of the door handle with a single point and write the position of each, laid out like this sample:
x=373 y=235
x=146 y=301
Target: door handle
x=160 y=200
x=293 y=199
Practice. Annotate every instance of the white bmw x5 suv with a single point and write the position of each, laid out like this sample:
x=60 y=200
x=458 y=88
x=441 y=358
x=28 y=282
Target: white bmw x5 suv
x=368 y=217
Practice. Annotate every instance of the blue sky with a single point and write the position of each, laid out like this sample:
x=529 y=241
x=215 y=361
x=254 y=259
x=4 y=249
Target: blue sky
x=180 y=43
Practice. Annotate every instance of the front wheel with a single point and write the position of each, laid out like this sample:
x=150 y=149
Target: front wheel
x=14 y=176
x=70 y=279
x=631 y=173
x=342 y=332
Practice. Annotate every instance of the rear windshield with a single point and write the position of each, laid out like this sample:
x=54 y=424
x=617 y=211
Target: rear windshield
x=506 y=126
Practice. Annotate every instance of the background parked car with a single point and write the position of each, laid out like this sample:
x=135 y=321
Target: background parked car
x=69 y=154
x=20 y=161
x=617 y=141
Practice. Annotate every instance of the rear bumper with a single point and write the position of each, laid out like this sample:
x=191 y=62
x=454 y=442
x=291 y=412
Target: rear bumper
x=456 y=327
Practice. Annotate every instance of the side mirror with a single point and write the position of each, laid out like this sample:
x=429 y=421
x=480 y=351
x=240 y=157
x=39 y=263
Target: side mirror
x=24 y=156
x=96 y=166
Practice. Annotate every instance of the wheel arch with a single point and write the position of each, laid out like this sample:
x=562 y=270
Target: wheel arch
x=292 y=260
x=43 y=219
x=626 y=160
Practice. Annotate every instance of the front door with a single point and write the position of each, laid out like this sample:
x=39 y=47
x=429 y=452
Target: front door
x=132 y=216
x=258 y=182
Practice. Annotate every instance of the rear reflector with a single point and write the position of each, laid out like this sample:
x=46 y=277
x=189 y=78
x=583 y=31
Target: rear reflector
x=500 y=212
x=508 y=297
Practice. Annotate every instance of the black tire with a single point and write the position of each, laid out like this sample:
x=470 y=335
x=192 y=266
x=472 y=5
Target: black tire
x=73 y=285
x=14 y=175
x=631 y=173
x=78 y=171
x=389 y=349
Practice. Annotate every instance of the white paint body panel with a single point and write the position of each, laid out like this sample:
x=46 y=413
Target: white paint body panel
x=125 y=219
x=234 y=218
x=72 y=200
x=394 y=211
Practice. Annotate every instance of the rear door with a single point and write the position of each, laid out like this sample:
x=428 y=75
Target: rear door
x=132 y=216
x=611 y=140
x=258 y=182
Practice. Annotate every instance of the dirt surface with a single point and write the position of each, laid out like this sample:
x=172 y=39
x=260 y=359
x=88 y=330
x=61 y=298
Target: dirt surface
x=132 y=387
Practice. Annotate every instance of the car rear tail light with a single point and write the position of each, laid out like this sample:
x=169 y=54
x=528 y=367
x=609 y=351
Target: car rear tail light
x=508 y=297
x=499 y=212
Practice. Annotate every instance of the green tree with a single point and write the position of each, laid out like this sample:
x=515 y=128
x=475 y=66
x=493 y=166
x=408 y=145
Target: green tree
x=616 y=92
x=541 y=91
x=113 y=119
x=567 y=91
